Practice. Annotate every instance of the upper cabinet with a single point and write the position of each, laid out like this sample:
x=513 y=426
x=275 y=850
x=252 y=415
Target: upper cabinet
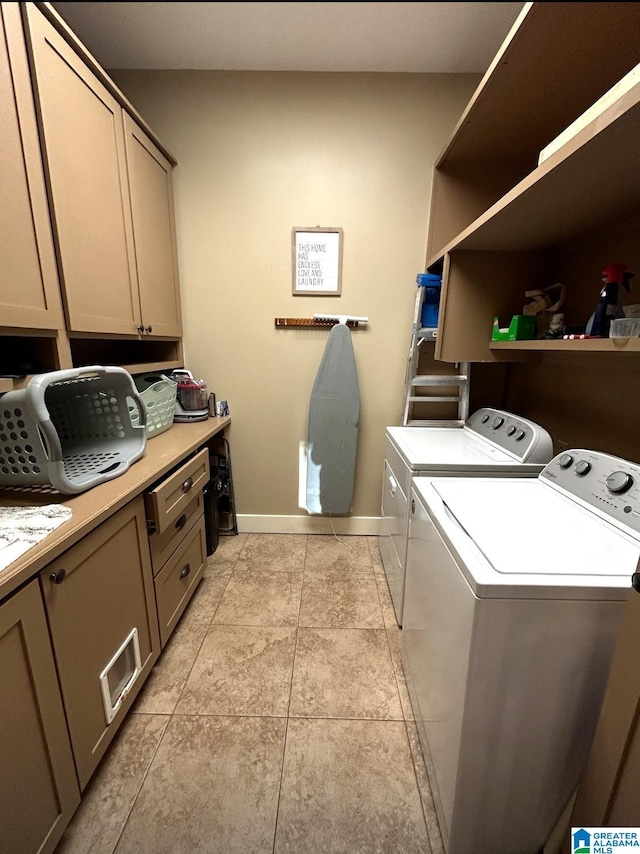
x=518 y=203
x=110 y=188
x=151 y=193
x=83 y=141
x=29 y=295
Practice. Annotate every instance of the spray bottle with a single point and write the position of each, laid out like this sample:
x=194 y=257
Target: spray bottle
x=609 y=307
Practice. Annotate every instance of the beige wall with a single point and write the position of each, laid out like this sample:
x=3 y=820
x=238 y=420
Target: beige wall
x=259 y=153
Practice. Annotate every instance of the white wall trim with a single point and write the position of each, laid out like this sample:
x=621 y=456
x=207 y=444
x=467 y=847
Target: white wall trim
x=254 y=524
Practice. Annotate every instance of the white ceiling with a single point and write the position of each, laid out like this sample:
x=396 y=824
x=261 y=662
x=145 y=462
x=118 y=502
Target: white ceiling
x=401 y=37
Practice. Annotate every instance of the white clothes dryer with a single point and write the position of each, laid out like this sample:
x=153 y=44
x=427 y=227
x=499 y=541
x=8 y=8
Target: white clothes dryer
x=491 y=442
x=515 y=592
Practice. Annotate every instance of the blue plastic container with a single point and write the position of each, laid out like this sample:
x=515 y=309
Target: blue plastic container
x=432 y=284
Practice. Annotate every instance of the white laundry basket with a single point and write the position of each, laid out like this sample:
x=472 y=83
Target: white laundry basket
x=158 y=394
x=70 y=429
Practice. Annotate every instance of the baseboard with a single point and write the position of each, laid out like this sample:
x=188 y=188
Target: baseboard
x=358 y=525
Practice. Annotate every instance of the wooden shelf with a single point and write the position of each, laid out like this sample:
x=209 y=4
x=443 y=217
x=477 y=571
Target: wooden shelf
x=556 y=61
x=587 y=345
x=153 y=367
x=584 y=186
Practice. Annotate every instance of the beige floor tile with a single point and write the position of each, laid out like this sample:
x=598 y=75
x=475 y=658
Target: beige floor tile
x=212 y=787
x=268 y=598
x=205 y=600
x=226 y=555
x=344 y=673
x=278 y=552
x=241 y=670
x=349 y=786
x=340 y=599
x=374 y=551
x=394 y=637
x=162 y=689
x=349 y=554
x=386 y=603
x=107 y=800
x=426 y=796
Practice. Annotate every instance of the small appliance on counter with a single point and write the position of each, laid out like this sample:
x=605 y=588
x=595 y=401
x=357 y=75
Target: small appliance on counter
x=192 y=397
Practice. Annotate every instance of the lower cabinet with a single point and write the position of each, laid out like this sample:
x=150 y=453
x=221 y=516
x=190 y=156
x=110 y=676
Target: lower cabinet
x=101 y=609
x=38 y=786
x=77 y=644
x=175 y=515
x=179 y=577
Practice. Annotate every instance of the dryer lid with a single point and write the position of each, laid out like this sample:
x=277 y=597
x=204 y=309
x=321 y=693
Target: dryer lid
x=524 y=528
x=448 y=449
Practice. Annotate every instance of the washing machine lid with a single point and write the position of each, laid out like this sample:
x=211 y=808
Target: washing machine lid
x=527 y=534
x=449 y=449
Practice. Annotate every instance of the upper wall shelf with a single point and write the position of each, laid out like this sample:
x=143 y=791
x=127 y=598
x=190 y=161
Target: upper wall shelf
x=586 y=185
x=541 y=80
x=589 y=345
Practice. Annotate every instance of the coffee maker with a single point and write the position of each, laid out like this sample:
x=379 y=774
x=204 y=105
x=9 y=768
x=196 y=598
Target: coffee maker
x=192 y=402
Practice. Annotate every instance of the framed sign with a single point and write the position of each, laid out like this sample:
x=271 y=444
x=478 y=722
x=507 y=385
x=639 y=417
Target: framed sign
x=317 y=261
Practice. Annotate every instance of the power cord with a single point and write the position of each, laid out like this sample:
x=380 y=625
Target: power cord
x=337 y=537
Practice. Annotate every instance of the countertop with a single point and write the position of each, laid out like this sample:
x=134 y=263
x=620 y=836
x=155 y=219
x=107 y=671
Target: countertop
x=92 y=507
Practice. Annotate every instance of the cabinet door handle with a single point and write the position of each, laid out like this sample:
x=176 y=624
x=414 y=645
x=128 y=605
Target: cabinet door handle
x=186 y=486
x=141 y=329
x=58 y=576
x=182 y=521
x=186 y=569
x=149 y=329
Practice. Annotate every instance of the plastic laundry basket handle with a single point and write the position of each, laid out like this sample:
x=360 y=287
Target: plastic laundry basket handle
x=142 y=412
x=50 y=440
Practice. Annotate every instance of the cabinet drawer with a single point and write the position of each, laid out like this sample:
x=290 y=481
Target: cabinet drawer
x=169 y=500
x=176 y=583
x=163 y=545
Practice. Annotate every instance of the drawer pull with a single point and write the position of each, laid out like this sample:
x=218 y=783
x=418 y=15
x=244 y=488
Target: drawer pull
x=393 y=485
x=186 y=486
x=182 y=521
x=186 y=569
x=58 y=576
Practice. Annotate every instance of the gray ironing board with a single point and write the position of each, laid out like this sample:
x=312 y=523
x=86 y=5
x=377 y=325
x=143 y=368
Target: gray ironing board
x=334 y=415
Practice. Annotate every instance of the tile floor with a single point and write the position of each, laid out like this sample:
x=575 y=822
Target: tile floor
x=276 y=720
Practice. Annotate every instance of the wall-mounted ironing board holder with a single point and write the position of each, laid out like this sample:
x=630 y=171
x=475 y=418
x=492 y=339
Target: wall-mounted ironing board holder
x=321 y=321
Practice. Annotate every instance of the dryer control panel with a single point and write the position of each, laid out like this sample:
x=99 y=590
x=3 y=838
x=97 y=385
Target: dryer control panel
x=527 y=441
x=609 y=485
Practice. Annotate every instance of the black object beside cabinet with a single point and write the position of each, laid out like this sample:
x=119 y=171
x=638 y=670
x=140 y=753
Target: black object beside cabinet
x=219 y=502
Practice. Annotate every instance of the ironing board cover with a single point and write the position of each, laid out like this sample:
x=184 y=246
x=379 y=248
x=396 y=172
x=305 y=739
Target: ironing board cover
x=334 y=415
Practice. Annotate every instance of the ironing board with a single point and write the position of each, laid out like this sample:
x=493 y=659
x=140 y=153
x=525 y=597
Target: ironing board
x=334 y=415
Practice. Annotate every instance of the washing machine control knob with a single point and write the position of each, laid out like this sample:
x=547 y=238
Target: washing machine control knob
x=565 y=461
x=619 y=481
x=511 y=430
x=498 y=421
x=582 y=468
x=520 y=436
x=485 y=418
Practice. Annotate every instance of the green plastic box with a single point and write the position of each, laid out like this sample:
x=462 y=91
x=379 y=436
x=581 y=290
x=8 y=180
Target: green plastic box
x=521 y=328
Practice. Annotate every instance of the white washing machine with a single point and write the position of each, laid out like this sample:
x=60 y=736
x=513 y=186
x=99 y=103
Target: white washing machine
x=515 y=591
x=491 y=442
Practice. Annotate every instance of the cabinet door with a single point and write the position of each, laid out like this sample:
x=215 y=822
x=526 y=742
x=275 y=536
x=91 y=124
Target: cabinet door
x=30 y=293
x=95 y=595
x=85 y=159
x=38 y=787
x=154 y=233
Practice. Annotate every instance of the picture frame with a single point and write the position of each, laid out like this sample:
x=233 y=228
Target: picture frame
x=317 y=261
